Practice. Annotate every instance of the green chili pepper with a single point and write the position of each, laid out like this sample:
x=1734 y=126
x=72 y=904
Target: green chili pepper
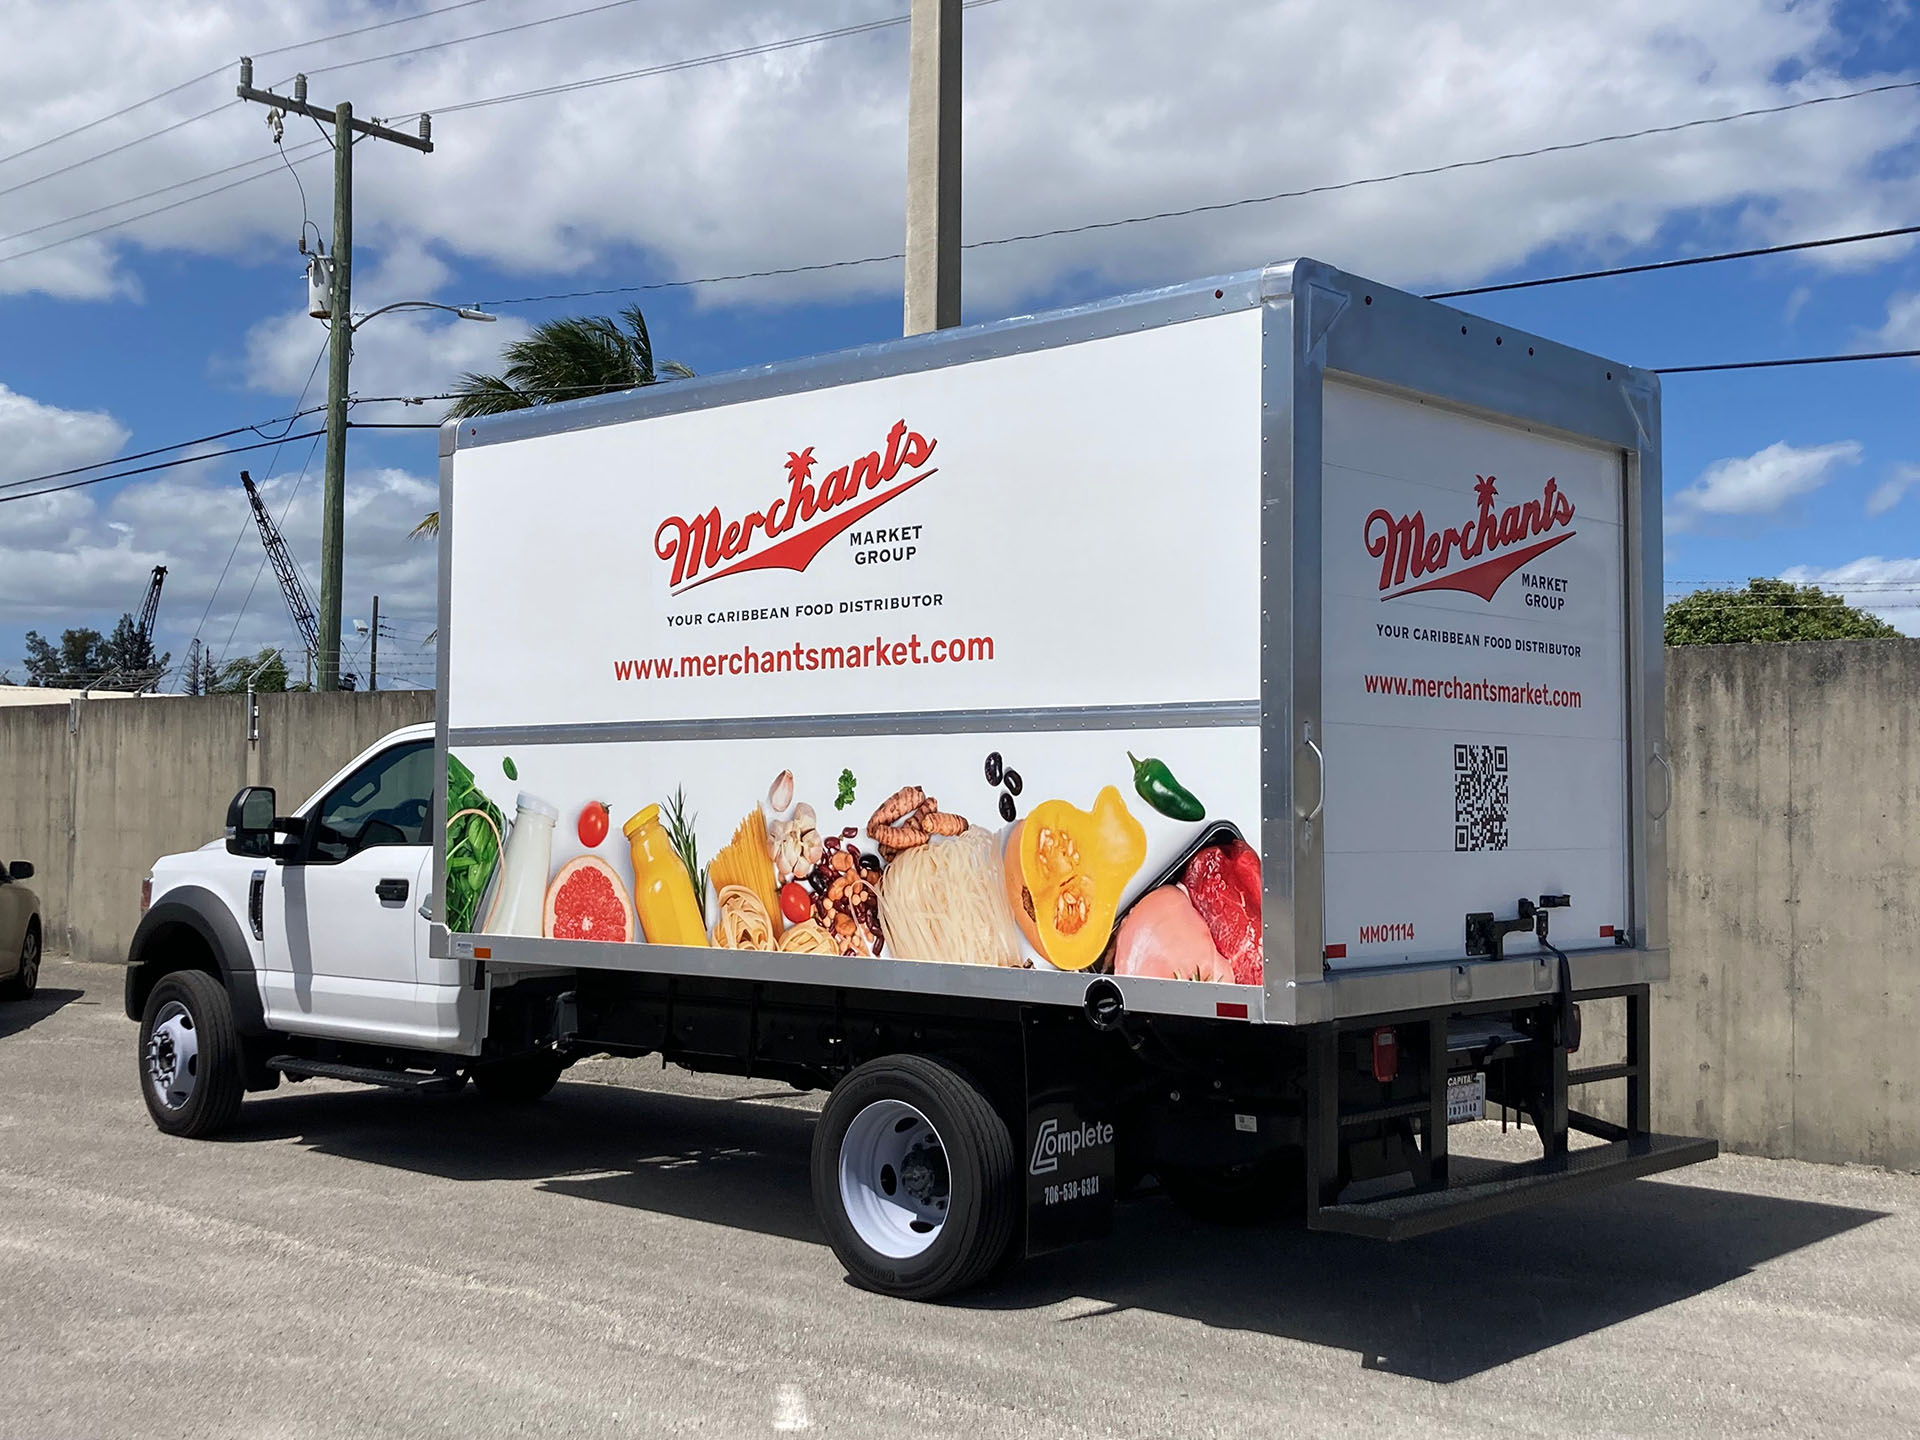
x=1155 y=784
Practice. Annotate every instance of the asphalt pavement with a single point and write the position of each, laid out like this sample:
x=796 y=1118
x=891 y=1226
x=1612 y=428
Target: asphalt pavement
x=638 y=1256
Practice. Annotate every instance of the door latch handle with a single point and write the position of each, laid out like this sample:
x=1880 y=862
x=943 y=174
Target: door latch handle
x=391 y=891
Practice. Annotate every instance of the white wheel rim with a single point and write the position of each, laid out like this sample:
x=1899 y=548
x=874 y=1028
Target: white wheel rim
x=173 y=1056
x=894 y=1183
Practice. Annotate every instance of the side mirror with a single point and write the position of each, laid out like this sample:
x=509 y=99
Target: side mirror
x=20 y=870
x=250 y=822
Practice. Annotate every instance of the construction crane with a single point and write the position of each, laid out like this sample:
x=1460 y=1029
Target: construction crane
x=143 y=627
x=299 y=604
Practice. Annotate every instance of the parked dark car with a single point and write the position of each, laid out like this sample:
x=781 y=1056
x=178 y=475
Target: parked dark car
x=20 y=933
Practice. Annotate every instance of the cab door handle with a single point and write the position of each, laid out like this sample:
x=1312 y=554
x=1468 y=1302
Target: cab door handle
x=391 y=891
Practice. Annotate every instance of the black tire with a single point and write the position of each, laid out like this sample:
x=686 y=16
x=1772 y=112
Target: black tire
x=1260 y=1192
x=195 y=1003
x=27 y=979
x=519 y=1081
x=982 y=1182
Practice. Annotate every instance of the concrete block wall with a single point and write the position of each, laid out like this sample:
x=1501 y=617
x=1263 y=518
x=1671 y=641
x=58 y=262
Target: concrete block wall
x=1788 y=1027
x=93 y=791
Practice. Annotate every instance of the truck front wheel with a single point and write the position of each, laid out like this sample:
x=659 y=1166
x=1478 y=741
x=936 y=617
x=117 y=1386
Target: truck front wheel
x=190 y=1072
x=915 y=1178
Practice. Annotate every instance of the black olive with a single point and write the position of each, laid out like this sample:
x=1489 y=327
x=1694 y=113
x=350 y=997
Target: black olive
x=1012 y=777
x=993 y=767
x=1006 y=808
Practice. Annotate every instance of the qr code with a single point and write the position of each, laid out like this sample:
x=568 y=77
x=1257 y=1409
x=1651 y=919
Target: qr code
x=1480 y=797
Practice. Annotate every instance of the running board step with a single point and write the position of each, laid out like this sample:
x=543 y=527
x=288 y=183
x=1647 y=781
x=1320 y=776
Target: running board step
x=1478 y=1189
x=419 y=1082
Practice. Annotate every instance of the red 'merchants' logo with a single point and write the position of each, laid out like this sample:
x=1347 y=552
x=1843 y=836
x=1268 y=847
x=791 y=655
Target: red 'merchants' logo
x=1405 y=546
x=704 y=541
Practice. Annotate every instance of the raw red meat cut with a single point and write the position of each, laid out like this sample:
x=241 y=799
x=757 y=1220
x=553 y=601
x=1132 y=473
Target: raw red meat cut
x=1223 y=884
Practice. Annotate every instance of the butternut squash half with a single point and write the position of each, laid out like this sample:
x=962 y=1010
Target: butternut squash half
x=1065 y=870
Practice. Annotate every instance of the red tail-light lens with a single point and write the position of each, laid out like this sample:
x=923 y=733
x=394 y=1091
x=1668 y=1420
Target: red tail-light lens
x=1386 y=1055
x=146 y=894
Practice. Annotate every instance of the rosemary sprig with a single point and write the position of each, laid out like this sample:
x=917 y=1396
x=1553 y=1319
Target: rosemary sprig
x=680 y=832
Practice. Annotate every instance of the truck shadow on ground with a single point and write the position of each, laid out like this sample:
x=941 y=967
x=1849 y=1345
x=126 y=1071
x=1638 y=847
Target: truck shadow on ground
x=1441 y=1308
x=18 y=1015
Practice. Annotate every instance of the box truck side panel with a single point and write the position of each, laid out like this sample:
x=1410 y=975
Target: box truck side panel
x=1016 y=596
x=1474 y=693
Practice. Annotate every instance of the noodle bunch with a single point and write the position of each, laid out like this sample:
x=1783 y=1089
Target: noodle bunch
x=944 y=901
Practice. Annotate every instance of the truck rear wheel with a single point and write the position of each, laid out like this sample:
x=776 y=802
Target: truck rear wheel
x=190 y=1072
x=915 y=1178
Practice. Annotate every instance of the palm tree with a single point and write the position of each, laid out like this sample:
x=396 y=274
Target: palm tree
x=563 y=360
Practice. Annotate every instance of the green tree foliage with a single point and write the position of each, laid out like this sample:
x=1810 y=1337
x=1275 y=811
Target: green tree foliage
x=85 y=658
x=565 y=359
x=1768 y=611
x=268 y=670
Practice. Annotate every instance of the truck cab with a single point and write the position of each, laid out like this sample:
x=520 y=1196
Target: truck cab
x=312 y=925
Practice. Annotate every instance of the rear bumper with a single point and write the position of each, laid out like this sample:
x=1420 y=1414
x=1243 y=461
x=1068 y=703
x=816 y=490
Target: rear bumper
x=1479 y=1189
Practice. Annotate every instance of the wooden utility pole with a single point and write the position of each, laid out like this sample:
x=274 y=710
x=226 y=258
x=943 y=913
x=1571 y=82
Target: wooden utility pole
x=333 y=512
x=933 y=166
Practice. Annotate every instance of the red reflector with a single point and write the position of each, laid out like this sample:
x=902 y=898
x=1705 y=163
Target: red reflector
x=481 y=952
x=1336 y=952
x=1230 y=1010
x=1606 y=932
x=146 y=894
x=1386 y=1055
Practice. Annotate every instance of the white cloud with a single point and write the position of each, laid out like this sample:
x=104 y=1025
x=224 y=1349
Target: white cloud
x=1076 y=110
x=1758 y=484
x=1887 y=588
x=1902 y=329
x=70 y=559
x=1888 y=492
x=36 y=439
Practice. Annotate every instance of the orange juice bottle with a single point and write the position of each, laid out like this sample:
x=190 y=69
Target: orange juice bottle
x=662 y=890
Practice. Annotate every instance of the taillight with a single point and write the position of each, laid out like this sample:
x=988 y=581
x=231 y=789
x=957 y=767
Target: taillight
x=146 y=894
x=1386 y=1055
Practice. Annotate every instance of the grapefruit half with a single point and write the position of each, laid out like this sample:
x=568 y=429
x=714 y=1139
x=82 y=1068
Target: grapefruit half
x=588 y=901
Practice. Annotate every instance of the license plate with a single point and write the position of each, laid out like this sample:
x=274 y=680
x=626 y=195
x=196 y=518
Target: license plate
x=1466 y=1097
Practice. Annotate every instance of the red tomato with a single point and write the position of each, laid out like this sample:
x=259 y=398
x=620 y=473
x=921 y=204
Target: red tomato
x=796 y=901
x=593 y=824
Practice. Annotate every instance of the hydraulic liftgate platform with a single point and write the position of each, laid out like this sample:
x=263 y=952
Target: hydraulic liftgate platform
x=1527 y=1077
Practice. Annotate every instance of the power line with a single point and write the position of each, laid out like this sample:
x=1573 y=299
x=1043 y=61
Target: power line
x=1791 y=360
x=254 y=429
x=125 y=145
x=308 y=148
x=163 y=465
x=1680 y=264
x=672 y=66
x=146 y=214
x=468 y=39
x=211 y=74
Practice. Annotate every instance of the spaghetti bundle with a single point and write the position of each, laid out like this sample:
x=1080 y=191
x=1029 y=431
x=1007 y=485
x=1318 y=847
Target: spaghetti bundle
x=747 y=862
x=944 y=901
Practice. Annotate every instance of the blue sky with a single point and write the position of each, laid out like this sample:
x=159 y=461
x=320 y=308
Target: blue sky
x=188 y=322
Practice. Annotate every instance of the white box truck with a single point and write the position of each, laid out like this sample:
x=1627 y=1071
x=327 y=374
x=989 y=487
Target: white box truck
x=1215 y=733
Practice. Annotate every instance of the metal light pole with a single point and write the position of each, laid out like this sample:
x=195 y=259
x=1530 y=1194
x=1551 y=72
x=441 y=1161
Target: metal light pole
x=933 y=166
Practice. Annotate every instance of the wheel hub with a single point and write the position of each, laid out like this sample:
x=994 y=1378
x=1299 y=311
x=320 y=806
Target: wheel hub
x=173 y=1056
x=895 y=1184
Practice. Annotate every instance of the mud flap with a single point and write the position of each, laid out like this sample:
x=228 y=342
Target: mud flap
x=1070 y=1150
